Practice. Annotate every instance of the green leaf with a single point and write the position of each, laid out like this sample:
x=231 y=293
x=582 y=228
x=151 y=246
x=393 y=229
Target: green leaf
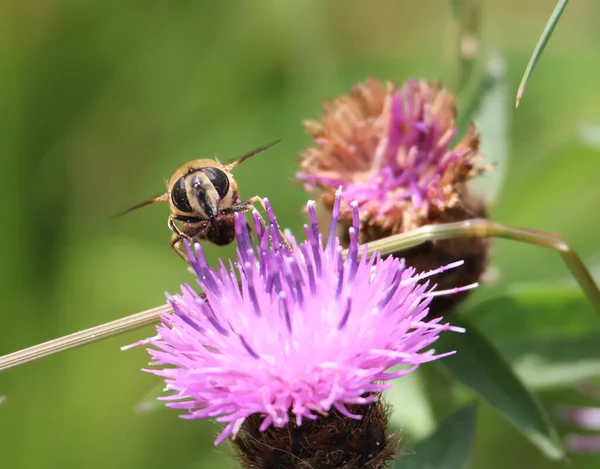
x=449 y=447
x=493 y=122
x=478 y=365
x=555 y=195
x=541 y=44
x=470 y=100
x=535 y=311
x=548 y=363
x=548 y=332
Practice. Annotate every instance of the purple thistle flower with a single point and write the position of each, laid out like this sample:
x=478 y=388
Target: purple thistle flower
x=306 y=333
x=391 y=149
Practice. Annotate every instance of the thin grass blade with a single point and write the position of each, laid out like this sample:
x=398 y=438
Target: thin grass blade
x=539 y=48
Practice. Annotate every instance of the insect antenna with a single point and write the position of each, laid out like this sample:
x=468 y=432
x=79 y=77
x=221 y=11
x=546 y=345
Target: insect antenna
x=239 y=160
x=159 y=198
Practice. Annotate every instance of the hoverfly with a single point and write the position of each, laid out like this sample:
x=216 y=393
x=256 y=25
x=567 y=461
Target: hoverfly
x=203 y=197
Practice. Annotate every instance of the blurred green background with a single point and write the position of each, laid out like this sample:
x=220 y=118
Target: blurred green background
x=102 y=101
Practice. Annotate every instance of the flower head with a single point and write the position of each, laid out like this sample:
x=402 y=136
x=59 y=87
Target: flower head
x=292 y=334
x=391 y=150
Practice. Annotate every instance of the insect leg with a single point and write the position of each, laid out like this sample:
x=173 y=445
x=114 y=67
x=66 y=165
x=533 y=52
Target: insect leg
x=176 y=246
x=178 y=235
x=250 y=204
x=483 y=228
x=173 y=227
x=240 y=207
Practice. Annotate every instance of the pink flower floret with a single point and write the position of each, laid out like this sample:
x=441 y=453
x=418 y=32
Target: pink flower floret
x=306 y=331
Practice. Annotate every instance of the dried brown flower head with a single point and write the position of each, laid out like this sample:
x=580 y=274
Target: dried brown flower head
x=390 y=149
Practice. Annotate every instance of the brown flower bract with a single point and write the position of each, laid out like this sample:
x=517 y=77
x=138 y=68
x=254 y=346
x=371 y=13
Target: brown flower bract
x=330 y=442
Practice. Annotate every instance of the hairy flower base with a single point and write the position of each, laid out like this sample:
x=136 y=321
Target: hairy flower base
x=304 y=333
x=331 y=441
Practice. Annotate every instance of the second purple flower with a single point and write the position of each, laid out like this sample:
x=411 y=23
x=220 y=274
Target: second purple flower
x=391 y=148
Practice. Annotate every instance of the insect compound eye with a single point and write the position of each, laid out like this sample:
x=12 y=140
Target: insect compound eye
x=179 y=196
x=218 y=179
